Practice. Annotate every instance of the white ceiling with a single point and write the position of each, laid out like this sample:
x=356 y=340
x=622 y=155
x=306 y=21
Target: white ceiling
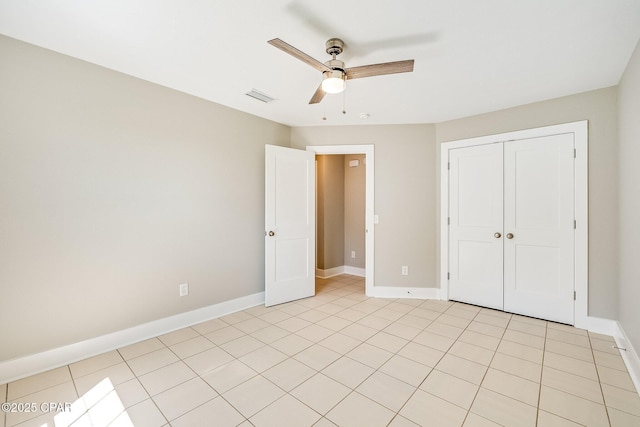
x=471 y=56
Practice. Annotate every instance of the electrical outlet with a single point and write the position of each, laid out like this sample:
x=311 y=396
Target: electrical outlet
x=184 y=289
x=405 y=270
x=353 y=254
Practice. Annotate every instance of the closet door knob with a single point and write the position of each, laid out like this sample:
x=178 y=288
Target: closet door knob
x=497 y=235
x=509 y=236
x=272 y=233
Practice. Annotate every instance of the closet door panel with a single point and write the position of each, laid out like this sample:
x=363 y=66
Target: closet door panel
x=475 y=209
x=538 y=216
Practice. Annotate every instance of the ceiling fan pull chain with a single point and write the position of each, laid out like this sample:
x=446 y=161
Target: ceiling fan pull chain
x=344 y=102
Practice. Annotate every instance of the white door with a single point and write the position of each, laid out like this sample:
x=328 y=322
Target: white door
x=511 y=226
x=475 y=225
x=289 y=224
x=539 y=228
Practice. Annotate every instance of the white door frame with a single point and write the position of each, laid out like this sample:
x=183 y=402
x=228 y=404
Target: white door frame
x=580 y=131
x=367 y=150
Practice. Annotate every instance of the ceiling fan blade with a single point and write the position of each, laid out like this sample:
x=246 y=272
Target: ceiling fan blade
x=286 y=47
x=380 y=69
x=317 y=96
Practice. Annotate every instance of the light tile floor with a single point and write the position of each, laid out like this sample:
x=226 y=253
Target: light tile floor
x=343 y=359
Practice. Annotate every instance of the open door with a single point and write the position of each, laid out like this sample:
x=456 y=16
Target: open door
x=289 y=224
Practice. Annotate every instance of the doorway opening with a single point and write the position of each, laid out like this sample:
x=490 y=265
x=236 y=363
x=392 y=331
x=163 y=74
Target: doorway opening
x=344 y=212
x=340 y=217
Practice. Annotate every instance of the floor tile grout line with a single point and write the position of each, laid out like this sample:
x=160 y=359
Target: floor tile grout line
x=581 y=397
x=338 y=331
x=75 y=387
x=86 y=410
x=430 y=372
x=510 y=373
x=77 y=393
x=144 y=388
x=294 y=397
x=38 y=390
x=351 y=390
x=197 y=375
x=287 y=392
x=78 y=377
x=238 y=409
x=600 y=383
x=483 y=376
x=376 y=370
x=604 y=400
x=354 y=389
x=544 y=347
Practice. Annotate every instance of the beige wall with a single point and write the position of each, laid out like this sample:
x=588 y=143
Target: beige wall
x=354 y=210
x=112 y=192
x=600 y=108
x=405 y=180
x=330 y=225
x=629 y=199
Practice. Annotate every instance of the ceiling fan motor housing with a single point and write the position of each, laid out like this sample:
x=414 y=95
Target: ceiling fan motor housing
x=335 y=64
x=334 y=46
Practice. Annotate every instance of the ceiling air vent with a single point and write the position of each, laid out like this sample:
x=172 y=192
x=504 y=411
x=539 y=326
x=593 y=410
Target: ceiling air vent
x=260 y=96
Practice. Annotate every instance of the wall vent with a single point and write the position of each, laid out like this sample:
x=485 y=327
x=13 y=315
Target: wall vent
x=260 y=96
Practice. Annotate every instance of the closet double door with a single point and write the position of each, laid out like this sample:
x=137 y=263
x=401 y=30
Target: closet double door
x=511 y=226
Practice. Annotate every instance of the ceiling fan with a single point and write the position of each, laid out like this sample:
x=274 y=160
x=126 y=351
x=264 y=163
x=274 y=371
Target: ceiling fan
x=335 y=73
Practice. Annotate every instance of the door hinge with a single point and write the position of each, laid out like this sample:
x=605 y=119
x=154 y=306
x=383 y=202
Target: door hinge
x=574 y=295
x=575 y=153
x=448 y=276
x=448 y=165
x=575 y=224
x=448 y=220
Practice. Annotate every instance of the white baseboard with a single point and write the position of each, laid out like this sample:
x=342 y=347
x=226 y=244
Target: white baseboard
x=598 y=325
x=343 y=269
x=629 y=355
x=330 y=272
x=614 y=328
x=404 y=292
x=355 y=271
x=14 y=369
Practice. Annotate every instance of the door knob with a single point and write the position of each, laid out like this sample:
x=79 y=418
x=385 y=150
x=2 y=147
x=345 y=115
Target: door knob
x=272 y=233
x=497 y=235
x=509 y=236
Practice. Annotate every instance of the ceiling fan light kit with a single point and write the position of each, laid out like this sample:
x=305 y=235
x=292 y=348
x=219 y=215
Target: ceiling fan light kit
x=333 y=81
x=335 y=74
